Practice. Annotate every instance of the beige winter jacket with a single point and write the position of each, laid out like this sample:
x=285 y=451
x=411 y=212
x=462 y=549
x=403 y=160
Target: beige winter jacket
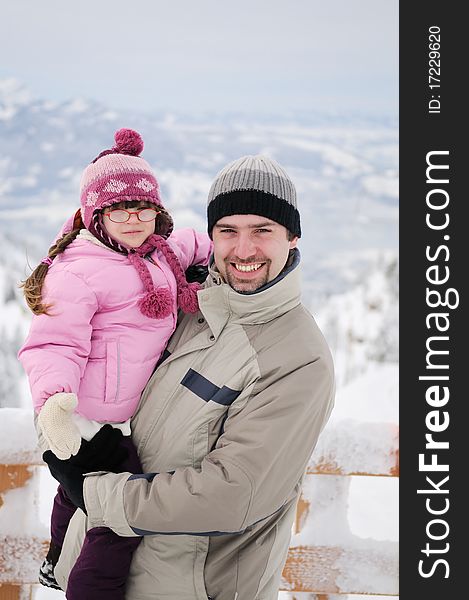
x=227 y=422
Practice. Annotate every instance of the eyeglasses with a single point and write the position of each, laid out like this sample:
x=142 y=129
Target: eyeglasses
x=120 y=215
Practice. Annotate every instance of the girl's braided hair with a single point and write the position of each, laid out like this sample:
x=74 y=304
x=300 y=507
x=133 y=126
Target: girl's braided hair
x=32 y=286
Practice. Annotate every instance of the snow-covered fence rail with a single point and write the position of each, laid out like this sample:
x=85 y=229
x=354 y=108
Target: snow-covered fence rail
x=316 y=563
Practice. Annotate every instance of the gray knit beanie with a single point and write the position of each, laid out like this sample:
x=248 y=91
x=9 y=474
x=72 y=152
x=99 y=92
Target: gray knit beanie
x=254 y=185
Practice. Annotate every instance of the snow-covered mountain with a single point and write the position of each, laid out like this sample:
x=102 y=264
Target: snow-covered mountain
x=361 y=324
x=14 y=320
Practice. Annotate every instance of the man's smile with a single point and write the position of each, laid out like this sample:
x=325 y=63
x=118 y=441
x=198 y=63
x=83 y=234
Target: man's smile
x=247 y=268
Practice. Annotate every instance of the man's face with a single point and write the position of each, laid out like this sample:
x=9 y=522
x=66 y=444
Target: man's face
x=250 y=250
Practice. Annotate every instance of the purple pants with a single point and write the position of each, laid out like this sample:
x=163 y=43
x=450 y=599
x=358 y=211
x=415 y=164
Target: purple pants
x=101 y=569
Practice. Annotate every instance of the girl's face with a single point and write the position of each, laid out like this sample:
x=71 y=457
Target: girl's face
x=132 y=232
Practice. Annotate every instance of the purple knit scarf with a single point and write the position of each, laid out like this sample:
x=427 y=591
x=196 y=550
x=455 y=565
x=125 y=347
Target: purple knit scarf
x=157 y=303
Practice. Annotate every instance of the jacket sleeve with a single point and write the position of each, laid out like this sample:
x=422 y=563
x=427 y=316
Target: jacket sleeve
x=191 y=247
x=56 y=350
x=248 y=476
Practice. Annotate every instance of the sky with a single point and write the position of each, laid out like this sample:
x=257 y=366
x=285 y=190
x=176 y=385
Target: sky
x=196 y=56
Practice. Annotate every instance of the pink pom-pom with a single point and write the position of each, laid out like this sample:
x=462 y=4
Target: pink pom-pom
x=187 y=297
x=156 y=304
x=128 y=141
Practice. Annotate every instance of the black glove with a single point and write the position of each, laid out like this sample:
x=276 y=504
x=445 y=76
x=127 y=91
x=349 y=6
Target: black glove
x=102 y=453
x=196 y=273
x=69 y=476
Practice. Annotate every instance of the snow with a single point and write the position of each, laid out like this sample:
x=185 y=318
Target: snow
x=358 y=447
x=371 y=395
x=41 y=593
x=372 y=506
x=19 y=513
x=335 y=156
x=367 y=560
x=184 y=185
x=18 y=439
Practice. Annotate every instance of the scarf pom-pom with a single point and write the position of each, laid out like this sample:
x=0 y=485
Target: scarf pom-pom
x=187 y=297
x=156 y=304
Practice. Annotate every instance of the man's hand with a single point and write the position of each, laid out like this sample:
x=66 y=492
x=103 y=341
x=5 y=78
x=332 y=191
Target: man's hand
x=69 y=476
x=102 y=453
x=196 y=273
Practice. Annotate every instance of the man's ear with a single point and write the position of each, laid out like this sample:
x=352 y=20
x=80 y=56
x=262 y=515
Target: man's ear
x=293 y=243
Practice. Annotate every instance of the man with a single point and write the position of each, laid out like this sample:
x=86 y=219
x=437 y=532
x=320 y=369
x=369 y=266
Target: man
x=229 y=419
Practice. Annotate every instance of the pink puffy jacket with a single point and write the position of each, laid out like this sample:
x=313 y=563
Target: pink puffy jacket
x=95 y=342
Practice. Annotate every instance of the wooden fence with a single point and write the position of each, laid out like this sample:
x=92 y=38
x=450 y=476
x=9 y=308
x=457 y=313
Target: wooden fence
x=324 y=569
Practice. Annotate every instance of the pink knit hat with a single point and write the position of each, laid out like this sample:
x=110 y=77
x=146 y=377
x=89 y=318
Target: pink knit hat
x=116 y=175
x=119 y=175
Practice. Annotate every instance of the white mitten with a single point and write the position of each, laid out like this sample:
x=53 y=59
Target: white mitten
x=58 y=428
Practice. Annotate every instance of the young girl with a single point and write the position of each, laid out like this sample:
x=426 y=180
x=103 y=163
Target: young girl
x=105 y=301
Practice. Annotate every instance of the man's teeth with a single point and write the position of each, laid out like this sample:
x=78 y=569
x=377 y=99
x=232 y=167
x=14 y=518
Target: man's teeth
x=248 y=268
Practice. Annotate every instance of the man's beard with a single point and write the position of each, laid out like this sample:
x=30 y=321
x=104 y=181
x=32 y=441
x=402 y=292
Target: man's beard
x=247 y=285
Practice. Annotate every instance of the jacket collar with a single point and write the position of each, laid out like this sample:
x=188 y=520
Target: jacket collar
x=87 y=235
x=219 y=302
